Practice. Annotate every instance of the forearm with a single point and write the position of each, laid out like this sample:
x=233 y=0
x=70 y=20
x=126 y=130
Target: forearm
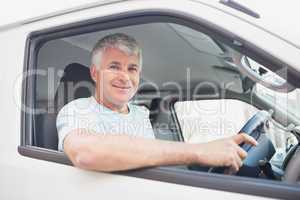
x=122 y=152
x=125 y=152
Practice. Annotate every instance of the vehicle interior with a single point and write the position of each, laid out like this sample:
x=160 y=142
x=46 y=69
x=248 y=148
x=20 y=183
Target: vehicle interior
x=196 y=87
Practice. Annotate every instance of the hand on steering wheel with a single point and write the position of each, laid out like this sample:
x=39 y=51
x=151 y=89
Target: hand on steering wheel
x=254 y=127
x=229 y=154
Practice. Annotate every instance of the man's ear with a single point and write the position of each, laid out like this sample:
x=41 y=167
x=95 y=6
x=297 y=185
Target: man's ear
x=93 y=72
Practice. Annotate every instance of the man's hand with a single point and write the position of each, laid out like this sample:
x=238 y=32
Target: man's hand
x=224 y=152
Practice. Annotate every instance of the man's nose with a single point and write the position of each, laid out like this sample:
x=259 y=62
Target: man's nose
x=123 y=75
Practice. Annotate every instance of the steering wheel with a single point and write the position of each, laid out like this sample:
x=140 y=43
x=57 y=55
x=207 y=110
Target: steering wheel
x=255 y=127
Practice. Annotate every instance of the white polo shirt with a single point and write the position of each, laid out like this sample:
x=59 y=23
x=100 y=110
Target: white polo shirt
x=87 y=113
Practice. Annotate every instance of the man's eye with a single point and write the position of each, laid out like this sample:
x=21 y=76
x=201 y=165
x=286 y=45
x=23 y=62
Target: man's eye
x=133 y=69
x=113 y=67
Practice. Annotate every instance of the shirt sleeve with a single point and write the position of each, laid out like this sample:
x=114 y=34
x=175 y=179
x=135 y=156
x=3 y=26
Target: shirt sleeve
x=67 y=120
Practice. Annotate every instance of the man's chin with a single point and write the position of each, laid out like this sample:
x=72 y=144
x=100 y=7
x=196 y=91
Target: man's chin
x=120 y=102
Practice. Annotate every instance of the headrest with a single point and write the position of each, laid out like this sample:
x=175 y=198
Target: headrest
x=75 y=83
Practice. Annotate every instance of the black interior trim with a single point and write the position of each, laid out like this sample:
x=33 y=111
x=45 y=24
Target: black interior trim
x=197 y=179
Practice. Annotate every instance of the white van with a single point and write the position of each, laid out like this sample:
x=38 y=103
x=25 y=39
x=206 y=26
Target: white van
x=210 y=69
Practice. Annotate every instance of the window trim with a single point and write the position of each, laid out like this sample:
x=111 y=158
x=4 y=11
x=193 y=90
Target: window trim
x=243 y=185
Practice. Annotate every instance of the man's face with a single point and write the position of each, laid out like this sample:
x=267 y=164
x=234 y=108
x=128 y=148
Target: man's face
x=117 y=78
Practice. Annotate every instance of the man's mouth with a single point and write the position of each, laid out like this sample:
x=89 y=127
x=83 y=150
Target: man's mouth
x=122 y=87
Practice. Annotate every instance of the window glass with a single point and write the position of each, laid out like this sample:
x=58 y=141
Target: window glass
x=287 y=102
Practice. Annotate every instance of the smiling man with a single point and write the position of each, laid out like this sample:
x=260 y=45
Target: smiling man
x=106 y=133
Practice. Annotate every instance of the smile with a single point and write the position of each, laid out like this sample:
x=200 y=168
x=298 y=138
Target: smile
x=122 y=87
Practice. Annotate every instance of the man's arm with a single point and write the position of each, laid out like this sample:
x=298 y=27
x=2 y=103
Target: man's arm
x=121 y=152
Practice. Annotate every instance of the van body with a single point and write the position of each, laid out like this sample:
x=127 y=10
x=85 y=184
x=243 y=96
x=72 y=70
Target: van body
x=220 y=44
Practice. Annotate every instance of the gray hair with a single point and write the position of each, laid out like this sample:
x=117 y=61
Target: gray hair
x=121 y=41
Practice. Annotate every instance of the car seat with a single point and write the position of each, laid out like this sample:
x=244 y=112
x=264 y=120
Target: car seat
x=76 y=82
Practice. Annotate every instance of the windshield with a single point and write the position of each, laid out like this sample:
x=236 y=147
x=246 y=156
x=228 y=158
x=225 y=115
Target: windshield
x=287 y=102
